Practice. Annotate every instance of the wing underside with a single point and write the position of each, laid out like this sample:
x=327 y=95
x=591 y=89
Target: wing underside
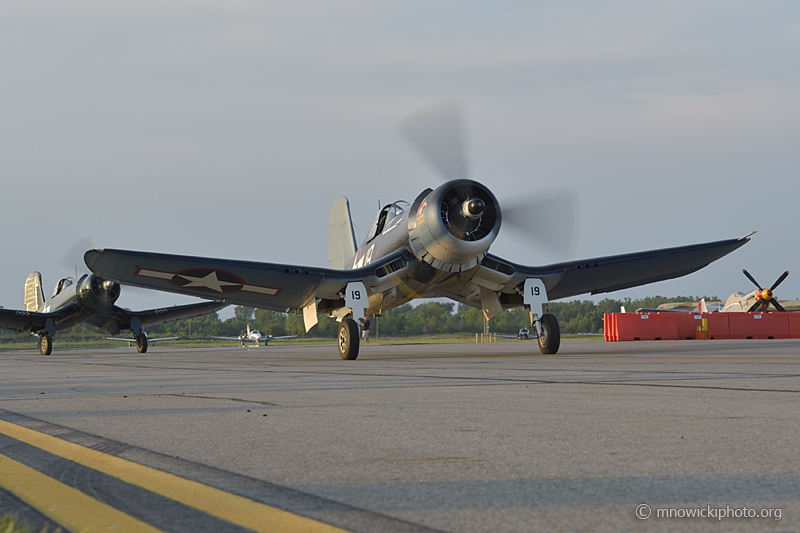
x=613 y=273
x=21 y=321
x=120 y=319
x=270 y=286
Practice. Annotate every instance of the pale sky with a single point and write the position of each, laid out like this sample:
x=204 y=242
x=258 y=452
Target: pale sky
x=227 y=129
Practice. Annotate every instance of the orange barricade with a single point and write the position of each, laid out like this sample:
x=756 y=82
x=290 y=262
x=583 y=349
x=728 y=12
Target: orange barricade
x=646 y=326
x=794 y=325
x=718 y=325
x=759 y=325
x=779 y=325
x=610 y=326
x=672 y=326
x=687 y=324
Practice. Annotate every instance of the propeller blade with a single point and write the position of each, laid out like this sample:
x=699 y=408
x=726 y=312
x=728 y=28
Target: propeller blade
x=550 y=218
x=437 y=132
x=778 y=306
x=756 y=305
x=779 y=280
x=73 y=256
x=751 y=278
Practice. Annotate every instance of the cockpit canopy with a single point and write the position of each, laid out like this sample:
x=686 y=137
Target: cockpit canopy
x=61 y=285
x=387 y=215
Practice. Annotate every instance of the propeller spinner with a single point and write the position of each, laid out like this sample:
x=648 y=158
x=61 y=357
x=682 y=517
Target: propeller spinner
x=765 y=296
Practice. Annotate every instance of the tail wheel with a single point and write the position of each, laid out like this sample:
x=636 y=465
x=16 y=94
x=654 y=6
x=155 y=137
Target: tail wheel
x=45 y=345
x=141 y=343
x=348 y=339
x=550 y=339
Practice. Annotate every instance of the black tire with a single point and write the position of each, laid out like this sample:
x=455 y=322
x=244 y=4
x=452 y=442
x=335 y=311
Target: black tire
x=141 y=343
x=550 y=339
x=45 y=345
x=348 y=339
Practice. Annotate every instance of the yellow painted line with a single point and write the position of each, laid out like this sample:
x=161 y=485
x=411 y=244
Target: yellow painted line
x=589 y=356
x=69 y=507
x=235 y=509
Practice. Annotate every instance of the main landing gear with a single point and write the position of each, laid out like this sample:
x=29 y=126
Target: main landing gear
x=348 y=339
x=45 y=344
x=549 y=334
x=141 y=342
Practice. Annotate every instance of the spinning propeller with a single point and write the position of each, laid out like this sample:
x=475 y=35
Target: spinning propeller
x=765 y=296
x=550 y=218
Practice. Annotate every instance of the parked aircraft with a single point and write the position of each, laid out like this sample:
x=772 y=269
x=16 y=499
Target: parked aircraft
x=754 y=301
x=757 y=300
x=437 y=246
x=255 y=336
x=150 y=342
x=90 y=300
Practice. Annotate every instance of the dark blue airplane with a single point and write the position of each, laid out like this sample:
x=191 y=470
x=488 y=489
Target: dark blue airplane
x=436 y=246
x=90 y=300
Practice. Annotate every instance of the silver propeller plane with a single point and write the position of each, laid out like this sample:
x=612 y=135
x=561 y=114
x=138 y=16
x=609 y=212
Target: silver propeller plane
x=436 y=246
x=255 y=336
x=91 y=299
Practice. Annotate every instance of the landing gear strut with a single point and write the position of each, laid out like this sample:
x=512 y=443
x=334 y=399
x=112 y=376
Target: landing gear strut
x=550 y=335
x=348 y=339
x=141 y=342
x=45 y=344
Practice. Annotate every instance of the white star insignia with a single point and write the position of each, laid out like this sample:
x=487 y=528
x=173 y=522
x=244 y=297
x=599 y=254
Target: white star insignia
x=209 y=281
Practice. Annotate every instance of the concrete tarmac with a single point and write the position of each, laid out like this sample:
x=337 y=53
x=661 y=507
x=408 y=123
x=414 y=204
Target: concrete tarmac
x=421 y=437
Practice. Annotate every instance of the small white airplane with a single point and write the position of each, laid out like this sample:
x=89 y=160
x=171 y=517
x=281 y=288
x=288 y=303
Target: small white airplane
x=254 y=336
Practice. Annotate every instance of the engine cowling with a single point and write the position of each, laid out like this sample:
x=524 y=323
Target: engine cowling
x=452 y=227
x=96 y=291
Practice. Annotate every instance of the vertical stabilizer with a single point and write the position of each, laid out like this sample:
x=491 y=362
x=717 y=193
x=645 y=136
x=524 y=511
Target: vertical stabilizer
x=34 y=297
x=341 y=238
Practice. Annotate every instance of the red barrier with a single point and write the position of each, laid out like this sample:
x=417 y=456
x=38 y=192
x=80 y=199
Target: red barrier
x=719 y=326
x=752 y=326
x=610 y=326
x=646 y=326
x=686 y=325
x=672 y=326
x=794 y=325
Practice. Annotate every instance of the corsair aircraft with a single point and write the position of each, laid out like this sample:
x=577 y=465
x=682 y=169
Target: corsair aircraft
x=255 y=336
x=90 y=300
x=436 y=246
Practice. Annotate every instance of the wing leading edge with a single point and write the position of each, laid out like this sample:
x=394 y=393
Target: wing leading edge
x=264 y=285
x=616 y=272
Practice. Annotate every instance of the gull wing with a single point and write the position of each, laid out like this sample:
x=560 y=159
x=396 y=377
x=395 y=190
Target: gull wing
x=21 y=321
x=616 y=272
x=276 y=287
x=122 y=317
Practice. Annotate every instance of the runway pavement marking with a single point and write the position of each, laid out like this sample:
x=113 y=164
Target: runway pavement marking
x=230 y=507
x=588 y=356
x=67 y=506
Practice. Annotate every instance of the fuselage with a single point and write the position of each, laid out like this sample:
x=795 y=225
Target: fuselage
x=446 y=232
x=89 y=297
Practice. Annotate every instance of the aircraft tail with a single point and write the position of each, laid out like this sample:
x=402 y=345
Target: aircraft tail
x=34 y=297
x=341 y=238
